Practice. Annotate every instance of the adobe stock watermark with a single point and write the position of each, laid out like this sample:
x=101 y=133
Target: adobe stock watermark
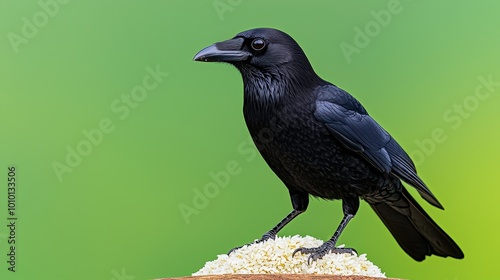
x=32 y=25
x=371 y=29
x=121 y=108
x=221 y=179
x=218 y=180
x=122 y=275
x=454 y=117
x=223 y=6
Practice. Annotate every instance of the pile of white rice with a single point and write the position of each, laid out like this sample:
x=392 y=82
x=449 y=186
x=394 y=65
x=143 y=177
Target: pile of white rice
x=275 y=256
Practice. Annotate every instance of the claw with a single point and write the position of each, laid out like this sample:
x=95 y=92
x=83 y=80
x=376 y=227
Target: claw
x=235 y=248
x=266 y=236
x=319 y=252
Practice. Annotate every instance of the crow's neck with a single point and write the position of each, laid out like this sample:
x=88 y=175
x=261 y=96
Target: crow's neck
x=268 y=90
x=264 y=89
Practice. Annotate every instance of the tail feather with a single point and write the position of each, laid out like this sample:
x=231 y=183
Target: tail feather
x=414 y=230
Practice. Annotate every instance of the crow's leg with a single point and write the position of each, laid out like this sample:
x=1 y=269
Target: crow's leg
x=350 y=207
x=299 y=203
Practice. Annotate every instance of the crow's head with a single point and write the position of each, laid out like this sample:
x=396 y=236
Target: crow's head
x=262 y=54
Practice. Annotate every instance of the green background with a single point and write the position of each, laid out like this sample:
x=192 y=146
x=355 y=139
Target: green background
x=117 y=215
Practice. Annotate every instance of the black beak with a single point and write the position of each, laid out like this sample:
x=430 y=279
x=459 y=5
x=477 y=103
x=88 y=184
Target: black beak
x=227 y=51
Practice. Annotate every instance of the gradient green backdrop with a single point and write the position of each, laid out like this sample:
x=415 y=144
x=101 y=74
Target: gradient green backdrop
x=116 y=215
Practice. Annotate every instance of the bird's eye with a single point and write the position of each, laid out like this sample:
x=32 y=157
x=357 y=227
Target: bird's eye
x=258 y=44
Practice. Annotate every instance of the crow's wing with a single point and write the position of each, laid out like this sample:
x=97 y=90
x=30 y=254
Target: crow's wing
x=349 y=122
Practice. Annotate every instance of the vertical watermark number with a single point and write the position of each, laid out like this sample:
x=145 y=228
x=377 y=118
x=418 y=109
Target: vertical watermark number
x=11 y=217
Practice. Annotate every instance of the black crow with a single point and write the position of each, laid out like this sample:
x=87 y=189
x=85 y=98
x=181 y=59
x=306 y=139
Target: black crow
x=320 y=141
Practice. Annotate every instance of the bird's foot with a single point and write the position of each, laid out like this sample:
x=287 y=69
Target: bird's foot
x=266 y=236
x=319 y=252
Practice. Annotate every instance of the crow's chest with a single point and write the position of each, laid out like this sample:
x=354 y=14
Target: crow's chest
x=292 y=137
x=304 y=154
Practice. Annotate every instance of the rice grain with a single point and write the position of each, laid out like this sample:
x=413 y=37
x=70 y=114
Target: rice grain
x=275 y=256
